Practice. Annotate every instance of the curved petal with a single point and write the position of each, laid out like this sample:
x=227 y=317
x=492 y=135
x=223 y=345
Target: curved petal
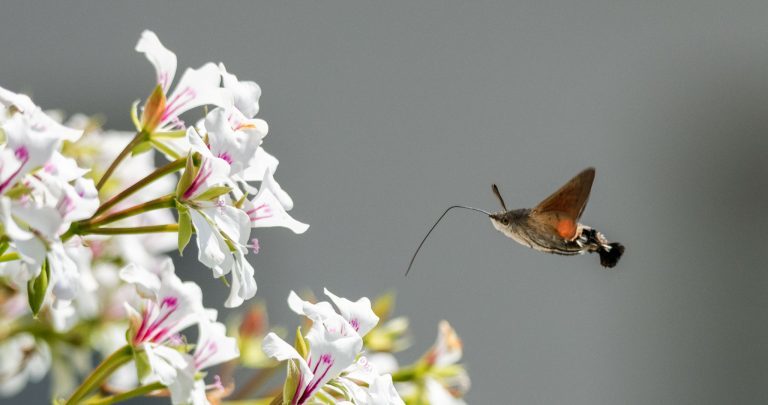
x=280 y=350
x=161 y=58
x=212 y=249
x=246 y=93
x=214 y=346
x=147 y=283
x=260 y=163
x=165 y=363
x=266 y=210
x=359 y=314
x=197 y=87
x=243 y=283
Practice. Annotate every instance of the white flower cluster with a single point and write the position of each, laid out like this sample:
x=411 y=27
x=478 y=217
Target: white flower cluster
x=86 y=223
x=72 y=212
x=332 y=367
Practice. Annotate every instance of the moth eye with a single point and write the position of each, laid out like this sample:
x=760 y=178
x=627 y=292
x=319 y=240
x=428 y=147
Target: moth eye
x=504 y=221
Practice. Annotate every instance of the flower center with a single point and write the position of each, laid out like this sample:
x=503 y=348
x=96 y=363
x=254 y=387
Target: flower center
x=263 y=211
x=22 y=154
x=155 y=321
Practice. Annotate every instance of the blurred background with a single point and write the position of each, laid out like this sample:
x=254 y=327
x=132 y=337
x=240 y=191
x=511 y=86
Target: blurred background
x=383 y=113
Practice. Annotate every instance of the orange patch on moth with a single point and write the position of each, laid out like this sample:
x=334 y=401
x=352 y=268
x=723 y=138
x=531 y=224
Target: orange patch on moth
x=566 y=228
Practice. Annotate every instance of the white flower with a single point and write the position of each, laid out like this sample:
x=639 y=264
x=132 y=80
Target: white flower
x=446 y=388
x=169 y=307
x=213 y=347
x=234 y=138
x=359 y=315
x=246 y=93
x=380 y=391
x=222 y=229
x=270 y=206
x=334 y=342
x=331 y=351
x=41 y=122
x=22 y=359
x=197 y=87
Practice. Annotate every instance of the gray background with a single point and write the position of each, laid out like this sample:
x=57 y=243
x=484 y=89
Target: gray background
x=385 y=112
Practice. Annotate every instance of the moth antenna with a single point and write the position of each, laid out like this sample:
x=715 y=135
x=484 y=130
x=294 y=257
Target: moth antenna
x=433 y=228
x=496 y=192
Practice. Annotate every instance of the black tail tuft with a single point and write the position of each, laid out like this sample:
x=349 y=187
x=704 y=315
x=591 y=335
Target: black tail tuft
x=609 y=258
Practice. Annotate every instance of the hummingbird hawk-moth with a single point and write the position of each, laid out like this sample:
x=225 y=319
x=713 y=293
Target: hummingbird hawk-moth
x=552 y=226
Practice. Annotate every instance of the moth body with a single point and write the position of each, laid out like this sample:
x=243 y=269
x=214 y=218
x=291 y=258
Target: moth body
x=551 y=226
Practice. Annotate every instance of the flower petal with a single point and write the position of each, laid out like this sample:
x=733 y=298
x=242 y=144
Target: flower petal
x=212 y=249
x=243 y=283
x=197 y=87
x=359 y=314
x=147 y=283
x=266 y=210
x=165 y=363
x=161 y=58
x=246 y=93
x=259 y=164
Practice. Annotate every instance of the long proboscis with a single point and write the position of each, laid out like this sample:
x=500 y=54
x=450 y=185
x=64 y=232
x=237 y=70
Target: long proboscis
x=433 y=228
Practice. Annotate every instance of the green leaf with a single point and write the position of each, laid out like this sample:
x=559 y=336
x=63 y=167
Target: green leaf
x=37 y=287
x=143 y=368
x=190 y=171
x=142 y=147
x=301 y=344
x=291 y=382
x=185 y=227
x=213 y=193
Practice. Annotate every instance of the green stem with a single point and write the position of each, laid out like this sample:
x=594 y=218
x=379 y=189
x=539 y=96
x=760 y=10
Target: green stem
x=140 y=137
x=136 y=392
x=164 y=148
x=101 y=372
x=133 y=231
x=8 y=257
x=156 y=204
x=169 y=168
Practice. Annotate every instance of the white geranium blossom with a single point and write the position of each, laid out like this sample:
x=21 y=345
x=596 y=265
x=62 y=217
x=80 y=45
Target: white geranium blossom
x=213 y=347
x=169 y=306
x=270 y=206
x=197 y=87
x=334 y=344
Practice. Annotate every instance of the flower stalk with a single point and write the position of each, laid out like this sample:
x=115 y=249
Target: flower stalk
x=136 y=392
x=101 y=373
x=169 y=168
x=156 y=204
x=134 y=230
x=140 y=137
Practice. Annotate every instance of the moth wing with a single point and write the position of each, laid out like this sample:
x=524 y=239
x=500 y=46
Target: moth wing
x=564 y=207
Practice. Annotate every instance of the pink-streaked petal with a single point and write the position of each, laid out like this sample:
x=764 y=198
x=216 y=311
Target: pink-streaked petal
x=197 y=87
x=265 y=210
x=359 y=314
x=280 y=350
x=161 y=58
